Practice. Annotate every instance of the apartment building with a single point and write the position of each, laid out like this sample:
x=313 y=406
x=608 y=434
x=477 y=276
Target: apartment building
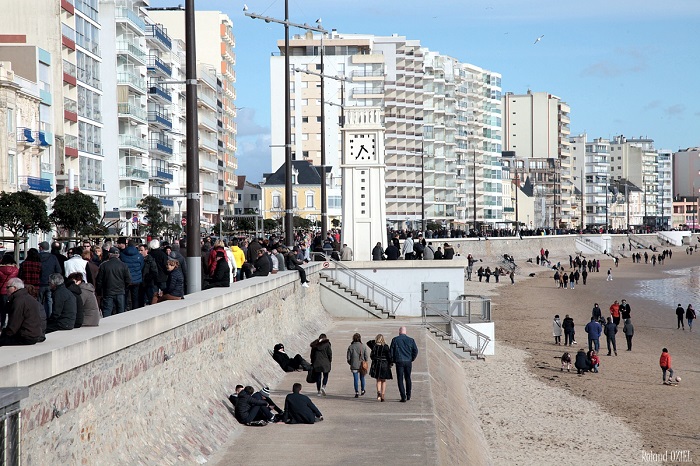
x=439 y=116
x=686 y=172
x=26 y=120
x=216 y=105
x=536 y=125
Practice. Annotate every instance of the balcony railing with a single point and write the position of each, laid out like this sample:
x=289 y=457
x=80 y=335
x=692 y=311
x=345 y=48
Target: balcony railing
x=161 y=173
x=131 y=79
x=160 y=117
x=131 y=171
x=208 y=142
x=68 y=32
x=159 y=91
x=131 y=49
x=133 y=141
x=163 y=145
x=132 y=110
x=69 y=69
x=128 y=202
x=132 y=16
x=155 y=31
x=70 y=141
x=36 y=184
x=155 y=63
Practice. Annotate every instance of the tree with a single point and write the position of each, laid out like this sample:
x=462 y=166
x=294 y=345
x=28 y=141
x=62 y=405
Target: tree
x=271 y=225
x=154 y=214
x=76 y=213
x=23 y=213
x=173 y=229
x=245 y=224
x=301 y=222
x=335 y=222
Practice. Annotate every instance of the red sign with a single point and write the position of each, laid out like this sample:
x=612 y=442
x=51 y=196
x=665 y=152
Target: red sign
x=183 y=221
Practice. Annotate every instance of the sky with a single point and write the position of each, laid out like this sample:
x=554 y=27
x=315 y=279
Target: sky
x=629 y=67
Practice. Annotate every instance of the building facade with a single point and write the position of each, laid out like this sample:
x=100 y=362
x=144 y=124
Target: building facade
x=306 y=192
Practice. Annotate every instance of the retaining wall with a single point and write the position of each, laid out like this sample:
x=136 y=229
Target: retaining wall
x=150 y=386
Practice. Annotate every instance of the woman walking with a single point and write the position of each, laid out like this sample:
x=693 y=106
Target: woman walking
x=690 y=316
x=321 y=357
x=381 y=364
x=357 y=354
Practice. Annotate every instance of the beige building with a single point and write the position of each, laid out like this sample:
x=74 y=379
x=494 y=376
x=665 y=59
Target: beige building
x=306 y=192
x=536 y=126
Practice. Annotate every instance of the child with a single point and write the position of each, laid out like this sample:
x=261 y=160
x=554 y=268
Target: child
x=566 y=361
x=595 y=361
x=665 y=363
x=556 y=330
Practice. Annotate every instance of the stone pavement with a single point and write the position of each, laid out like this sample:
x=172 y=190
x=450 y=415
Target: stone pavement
x=354 y=431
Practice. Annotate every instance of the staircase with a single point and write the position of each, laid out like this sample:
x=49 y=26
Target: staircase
x=638 y=242
x=456 y=347
x=586 y=245
x=354 y=297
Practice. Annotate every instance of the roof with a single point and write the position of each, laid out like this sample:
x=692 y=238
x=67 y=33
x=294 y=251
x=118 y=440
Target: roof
x=306 y=174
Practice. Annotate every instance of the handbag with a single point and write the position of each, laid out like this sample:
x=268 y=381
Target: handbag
x=310 y=376
x=364 y=366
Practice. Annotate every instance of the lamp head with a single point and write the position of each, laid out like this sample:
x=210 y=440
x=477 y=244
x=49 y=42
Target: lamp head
x=245 y=7
x=318 y=21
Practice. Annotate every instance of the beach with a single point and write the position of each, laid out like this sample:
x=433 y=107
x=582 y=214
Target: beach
x=531 y=412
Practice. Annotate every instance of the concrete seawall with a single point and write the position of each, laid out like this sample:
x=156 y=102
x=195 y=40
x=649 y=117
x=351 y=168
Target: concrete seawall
x=150 y=386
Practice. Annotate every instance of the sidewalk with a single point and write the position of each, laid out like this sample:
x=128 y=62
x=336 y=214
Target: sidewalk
x=354 y=431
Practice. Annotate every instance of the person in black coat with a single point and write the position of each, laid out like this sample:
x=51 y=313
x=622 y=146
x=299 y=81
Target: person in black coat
x=378 y=253
x=175 y=285
x=289 y=364
x=249 y=409
x=299 y=409
x=381 y=364
x=222 y=273
x=582 y=363
x=321 y=358
x=262 y=264
x=80 y=313
x=610 y=330
x=292 y=263
x=569 y=333
x=64 y=306
x=392 y=252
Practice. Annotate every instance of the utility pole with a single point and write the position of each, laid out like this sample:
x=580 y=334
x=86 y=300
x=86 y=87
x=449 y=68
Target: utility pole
x=324 y=195
x=474 y=183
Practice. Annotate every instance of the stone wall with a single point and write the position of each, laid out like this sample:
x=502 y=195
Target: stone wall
x=163 y=399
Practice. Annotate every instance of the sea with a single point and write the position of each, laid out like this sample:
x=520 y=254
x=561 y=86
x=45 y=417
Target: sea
x=677 y=286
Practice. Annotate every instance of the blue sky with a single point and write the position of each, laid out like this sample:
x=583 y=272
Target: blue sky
x=627 y=67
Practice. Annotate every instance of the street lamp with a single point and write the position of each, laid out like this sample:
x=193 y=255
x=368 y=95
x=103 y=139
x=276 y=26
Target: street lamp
x=288 y=188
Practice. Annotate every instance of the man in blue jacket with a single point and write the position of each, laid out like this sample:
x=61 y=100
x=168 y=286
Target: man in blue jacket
x=593 y=329
x=403 y=352
x=49 y=265
x=134 y=261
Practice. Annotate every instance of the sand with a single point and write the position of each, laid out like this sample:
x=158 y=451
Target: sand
x=532 y=413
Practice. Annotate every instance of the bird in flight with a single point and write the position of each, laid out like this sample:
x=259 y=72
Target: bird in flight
x=539 y=39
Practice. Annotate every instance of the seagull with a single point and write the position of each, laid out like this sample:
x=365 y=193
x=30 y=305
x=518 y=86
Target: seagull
x=539 y=39
x=245 y=7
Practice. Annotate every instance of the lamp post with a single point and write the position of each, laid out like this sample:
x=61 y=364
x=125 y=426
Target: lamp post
x=288 y=188
x=194 y=249
x=474 y=185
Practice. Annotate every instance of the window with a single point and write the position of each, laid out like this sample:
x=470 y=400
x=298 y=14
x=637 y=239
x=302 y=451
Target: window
x=253 y=197
x=10 y=120
x=305 y=154
x=276 y=201
x=294 y=201
x=304 y=119
x=11 y=169
x=240 y=197
x=318 y=119
x=309 y=200
x=318 y=67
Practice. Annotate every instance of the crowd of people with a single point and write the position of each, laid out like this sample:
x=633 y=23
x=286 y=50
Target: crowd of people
x=255 y=409
x=413 y=248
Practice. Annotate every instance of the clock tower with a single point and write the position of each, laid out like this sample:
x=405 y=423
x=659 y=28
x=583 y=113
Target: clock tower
x=364 y=189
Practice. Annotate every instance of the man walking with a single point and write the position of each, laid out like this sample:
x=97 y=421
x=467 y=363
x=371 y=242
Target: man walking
x=403 y=352
x=593 y=329
x=680 y=312
x=610 y=331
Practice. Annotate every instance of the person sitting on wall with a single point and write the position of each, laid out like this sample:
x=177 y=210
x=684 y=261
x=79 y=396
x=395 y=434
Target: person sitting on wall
x=27 y=317
x=289 y=364
x=221 y=278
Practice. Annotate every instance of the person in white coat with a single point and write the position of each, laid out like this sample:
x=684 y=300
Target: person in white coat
x=556 y=330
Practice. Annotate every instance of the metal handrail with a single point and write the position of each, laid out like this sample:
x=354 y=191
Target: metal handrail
x=462 y=307
x=363 y=285
x=482 y=340
x=591 y=244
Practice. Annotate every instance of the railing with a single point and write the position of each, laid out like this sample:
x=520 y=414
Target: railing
x=11 y=424
x=70 y=105
x=130 y=171
x=445 y=323
x=127 y=47
x=133 y=110
x=70 y=141
x=363 y=285
x=155 y=62
x=68 y=31
x=128 y=140
x=126 y=13
x=157 y=89
x=164 y=145
x=69 y=68
x=591 y=244
x=638 y=241
x=162 y=173
x=132 y=79
x=155 y=31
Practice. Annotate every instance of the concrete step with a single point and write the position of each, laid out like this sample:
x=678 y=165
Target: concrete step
x=458 y=348
x=369 y=305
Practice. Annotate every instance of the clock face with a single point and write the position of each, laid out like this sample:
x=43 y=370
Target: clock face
x=362 y=146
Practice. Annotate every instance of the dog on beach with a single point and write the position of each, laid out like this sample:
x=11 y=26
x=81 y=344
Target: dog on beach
x=566 y=361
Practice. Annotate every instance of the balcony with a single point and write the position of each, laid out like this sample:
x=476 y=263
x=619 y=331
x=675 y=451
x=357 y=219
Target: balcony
x=132 y=172
x=132 y=80
x=132 y=50
x=158 y=66
x=128 y=203
x=127 y=141
x=207 y=122
x=208 y=163
x=159 y=92
x=131 y=17
x=132 y=111
x=68 y=36
x=210 y=207
x=68 y=6
x=91 y=147
x=160 y=118
x=70 y=109
x=71 y=145
x=161 y=174
x=42 y=185
x=160 y=36
x=162 y=146
x=205 y=99
x=69 y=73
x=208 y=142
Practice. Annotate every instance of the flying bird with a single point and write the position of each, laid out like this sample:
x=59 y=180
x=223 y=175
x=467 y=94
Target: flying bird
x=539 y=39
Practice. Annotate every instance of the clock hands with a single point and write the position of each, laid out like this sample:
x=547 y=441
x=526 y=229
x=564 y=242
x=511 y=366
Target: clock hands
x=362 y=148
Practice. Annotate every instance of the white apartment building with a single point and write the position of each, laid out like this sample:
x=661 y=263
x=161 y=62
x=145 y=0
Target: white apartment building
x=439 y=115
x=216 y=105
x=686 y=172
x=536 y=126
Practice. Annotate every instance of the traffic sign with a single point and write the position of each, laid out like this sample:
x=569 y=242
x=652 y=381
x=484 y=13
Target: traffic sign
x=183 y=222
